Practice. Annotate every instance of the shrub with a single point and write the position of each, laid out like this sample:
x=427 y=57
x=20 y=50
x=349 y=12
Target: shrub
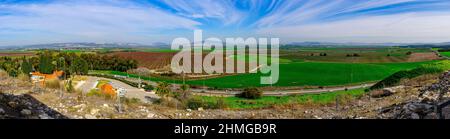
x=170 y=102
x=251 y=93
x=195 y=103
x=221 y=104
x=69 y=87
x=23 y=77
x=148 y=87
x=98 y=93
x=54 y=84
x=131 y=101
x=3 y=74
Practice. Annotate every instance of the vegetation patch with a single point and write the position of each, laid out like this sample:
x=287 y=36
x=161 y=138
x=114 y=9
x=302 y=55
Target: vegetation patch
x=395 y=78
x=270 y=101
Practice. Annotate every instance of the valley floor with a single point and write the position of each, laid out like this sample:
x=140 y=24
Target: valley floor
x=49 y=104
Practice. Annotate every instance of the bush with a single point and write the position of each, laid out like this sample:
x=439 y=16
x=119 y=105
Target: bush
x=3 y=74
x=131 y=101
x=251 y=93
x=54 y=84
x=23 y=77
x=198 y=102
x=195 y=103
x=170 y=102
x=69 y=87
x=98 y=93
x=221 y=104
x=148 y=87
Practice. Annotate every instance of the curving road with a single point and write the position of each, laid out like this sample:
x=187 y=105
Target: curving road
x=132 y=92
x=227 y=93
x=279 y=92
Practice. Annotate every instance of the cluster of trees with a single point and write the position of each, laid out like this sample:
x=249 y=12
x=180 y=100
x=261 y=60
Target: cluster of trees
x=109 y=62
x=353 y=55
x=321 y=54
x=10 y=65
x=48 y=61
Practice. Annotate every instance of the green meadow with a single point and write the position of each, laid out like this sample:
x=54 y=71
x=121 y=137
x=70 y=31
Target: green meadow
x=301 y=74
x=269 y=101
x=447 y=54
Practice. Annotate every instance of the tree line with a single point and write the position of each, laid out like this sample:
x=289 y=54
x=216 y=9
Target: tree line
x=71 y=63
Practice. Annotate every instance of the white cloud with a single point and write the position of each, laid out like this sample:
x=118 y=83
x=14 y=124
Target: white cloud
x=295 y=12
x=88 y=21
x=223 y=10
x=425 y=27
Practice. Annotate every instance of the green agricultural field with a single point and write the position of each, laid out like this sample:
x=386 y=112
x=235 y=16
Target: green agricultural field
x=302 y=74
x=268 y=101
x=314 y=74
x=447 y=54
x=366 y=55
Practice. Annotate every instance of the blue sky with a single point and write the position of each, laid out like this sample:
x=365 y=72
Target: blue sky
x=150 y=21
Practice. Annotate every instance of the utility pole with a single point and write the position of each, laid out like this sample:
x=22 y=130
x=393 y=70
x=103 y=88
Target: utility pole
x=139 y=85
x=337 y=103
x=62 y=68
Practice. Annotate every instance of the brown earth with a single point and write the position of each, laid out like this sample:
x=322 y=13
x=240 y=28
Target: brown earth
x=150 y=60
x=416 y=57
x=15 y=54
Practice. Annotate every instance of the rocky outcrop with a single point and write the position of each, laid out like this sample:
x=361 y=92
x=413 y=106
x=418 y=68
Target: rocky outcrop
x=25 y=107
x=423 y=107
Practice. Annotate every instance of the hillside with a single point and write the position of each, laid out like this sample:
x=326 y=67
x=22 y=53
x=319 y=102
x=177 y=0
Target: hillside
x=19 y=100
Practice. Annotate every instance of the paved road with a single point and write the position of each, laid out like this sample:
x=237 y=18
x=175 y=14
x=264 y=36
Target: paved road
x=278 y=92
x=132 y=92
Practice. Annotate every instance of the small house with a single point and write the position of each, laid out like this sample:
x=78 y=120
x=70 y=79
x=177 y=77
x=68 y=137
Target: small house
x=40 y=77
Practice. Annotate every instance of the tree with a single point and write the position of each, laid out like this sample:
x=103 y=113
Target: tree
x=45 y=64
x=26 y=66
x=162 y=89
x=79 y=66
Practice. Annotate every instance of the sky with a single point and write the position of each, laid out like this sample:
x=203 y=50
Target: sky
x=25 y=22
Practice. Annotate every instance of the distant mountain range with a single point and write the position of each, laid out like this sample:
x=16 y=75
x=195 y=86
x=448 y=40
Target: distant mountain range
x=165 y=45
x=86 y=45
x=365 y=44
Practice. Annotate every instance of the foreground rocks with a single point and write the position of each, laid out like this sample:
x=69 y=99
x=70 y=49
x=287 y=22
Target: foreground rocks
x=423 y=106
x=25 y=107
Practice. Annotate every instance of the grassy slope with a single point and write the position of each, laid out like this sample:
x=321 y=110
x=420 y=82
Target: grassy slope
x=268 y=101
x=315 y=74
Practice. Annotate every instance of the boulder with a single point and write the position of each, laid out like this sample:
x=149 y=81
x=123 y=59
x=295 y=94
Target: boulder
x=381 y=93
x=25 y=112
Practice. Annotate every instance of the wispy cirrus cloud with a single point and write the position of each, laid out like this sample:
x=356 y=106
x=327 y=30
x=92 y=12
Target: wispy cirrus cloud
x=87 y=20
x=41 y=21
x=223 y=10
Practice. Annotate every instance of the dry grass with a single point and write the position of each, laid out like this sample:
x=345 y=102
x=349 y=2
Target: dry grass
x=3 y=74
x=53 y=84
x=79 y=78
x=23 y=77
